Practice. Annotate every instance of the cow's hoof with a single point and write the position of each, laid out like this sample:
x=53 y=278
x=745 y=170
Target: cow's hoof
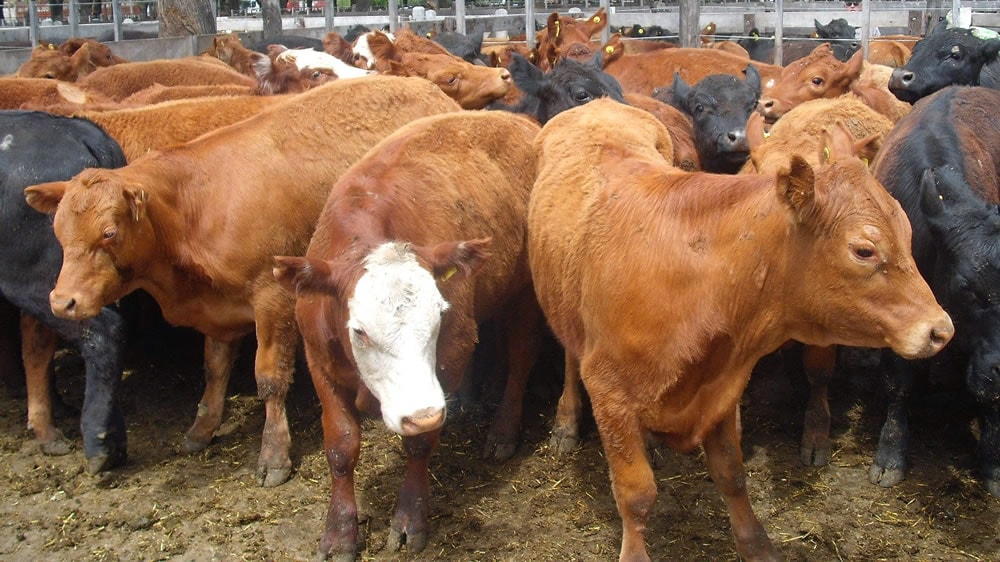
x=271 y=477
x=336 y=557
x=57 y=447
x=816 y=455
x=563 y=442
x=415 y=541
x=885 y=477
x=101 y=463
x=497 y=450
x=994 y=487
x=191 y=445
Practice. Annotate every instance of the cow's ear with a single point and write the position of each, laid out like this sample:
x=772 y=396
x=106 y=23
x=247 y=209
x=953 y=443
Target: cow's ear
x=45 y=197
x=868 y=147
x=138 y=203
x=305 y=275
x=821 y=29
x=527 y=76
x=854 y=64
x=455 y=260
x=752 y=78
x=990 y=49
x=681 y=91
x=796 y=186
x=931 y=200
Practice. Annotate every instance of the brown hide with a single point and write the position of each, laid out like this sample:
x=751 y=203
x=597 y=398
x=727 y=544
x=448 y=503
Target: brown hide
x=405 y=189
x=801 y=132
x=41 y=92
x=143 y=129
x=562 y=31
x=74 y=59
x=889 y=53
x=197 y=226
x=642 y=73
x=666 y=287
x=158 y=93
x=122 y=80
x=678 y=125
x=335 y=44
x=728 y=46
x=472 y=86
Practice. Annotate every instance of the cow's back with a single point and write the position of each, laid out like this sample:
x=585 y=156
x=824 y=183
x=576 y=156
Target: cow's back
x=418 y=173
x=568 y=189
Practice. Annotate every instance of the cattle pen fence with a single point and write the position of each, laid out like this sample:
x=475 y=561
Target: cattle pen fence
x=126 y=25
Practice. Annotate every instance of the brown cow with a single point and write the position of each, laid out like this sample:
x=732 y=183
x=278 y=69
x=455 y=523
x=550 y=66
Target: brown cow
x=229 y=49
x=408 y=258
x=643 y=72
x=820 y=75
x=568 y=37
x=472 y=86
x=685 y=153
x=197 y=225
x=143 y=129
x=70 y=61
x=666 y=287
x=122 y=80
x=40 y=92
x=158 y=93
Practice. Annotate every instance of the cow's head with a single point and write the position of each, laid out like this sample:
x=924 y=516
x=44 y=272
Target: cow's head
x=567 y=85
x=102 y=222
x=719 y=106
x=395 y=312
x=816 y=76
x=472 y=86
x=853 y=243
x=966 y=275
x=954 y=56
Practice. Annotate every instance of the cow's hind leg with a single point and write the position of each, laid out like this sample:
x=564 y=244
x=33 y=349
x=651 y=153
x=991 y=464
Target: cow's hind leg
x=725 y=466
x=277 y=338
x=38 y=345
x=101 y=421
x=819 y=363
x=219 y=358
x=566 y=428
x=522 y=326
x=410 y=524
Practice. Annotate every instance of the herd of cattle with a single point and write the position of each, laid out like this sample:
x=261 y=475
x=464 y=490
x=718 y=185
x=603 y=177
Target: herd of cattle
x=671 y=214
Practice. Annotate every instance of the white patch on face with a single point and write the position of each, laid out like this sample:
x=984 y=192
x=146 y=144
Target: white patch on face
x=7 y=142
x=361 y=48
x=395 y=317
x=313 y=59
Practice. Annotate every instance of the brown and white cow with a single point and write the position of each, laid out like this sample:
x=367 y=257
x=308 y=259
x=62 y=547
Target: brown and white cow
x=197 y=226
x=407 y=259
x=666 y=287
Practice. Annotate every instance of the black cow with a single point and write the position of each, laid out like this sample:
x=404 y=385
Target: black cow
x=37 y=147
x=719 y=106
x=945 y=57
x=568 y=84
x=942 y=162
x=841 y=35
x=466 y=47
x=762 y=49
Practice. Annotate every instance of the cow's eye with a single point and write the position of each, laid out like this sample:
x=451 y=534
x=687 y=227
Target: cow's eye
x=956 y=53
x=452 y=80
x=110 y=234
x=699 y=108
x=864 y=251
x=817 y=81
x=582 y=96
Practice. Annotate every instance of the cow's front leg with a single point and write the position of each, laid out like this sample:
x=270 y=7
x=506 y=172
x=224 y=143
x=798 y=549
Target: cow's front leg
x=989 y=447
x=566 y=428
x=38 y=345
x=725 y=466
x=410 y=524
x=101 y=420
x=342 y=444
x=891 y=459
x=819 y=363
x=219 y=358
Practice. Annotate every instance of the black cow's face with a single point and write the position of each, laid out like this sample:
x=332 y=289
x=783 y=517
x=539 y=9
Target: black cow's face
x=966 y=275
x=570 y=83
x=719 y=107
x=951 y=57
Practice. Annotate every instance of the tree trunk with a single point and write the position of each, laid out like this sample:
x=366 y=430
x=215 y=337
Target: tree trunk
x=271 y=13
x=179 y=18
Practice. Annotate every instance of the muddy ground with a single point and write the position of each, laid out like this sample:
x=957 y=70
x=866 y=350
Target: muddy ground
x=536 y=506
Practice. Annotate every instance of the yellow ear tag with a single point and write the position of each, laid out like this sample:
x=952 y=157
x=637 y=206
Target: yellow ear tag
x=558 y=27
x=609 y=49
x=642 y=30
x=142 y=199
x=826 y=153
x=449 y=274
x=597 y=19
x=865 y=160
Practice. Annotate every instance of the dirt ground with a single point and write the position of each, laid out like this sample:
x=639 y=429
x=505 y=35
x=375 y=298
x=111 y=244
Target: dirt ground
x=537 y=506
